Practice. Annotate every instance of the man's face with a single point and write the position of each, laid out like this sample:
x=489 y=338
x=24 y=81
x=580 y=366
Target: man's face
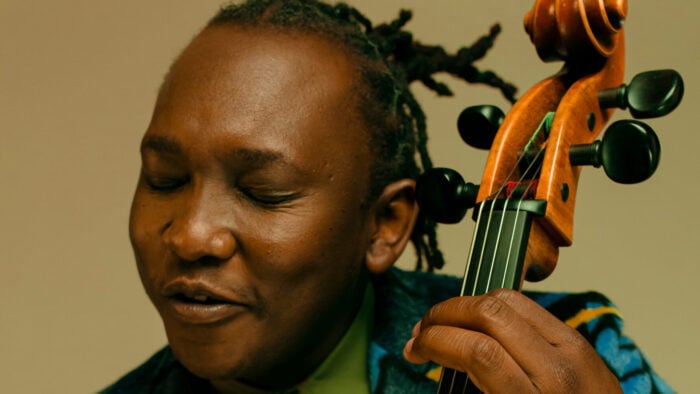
x=248 y=222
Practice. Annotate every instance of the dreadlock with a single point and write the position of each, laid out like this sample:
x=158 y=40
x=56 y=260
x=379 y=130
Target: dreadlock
x=388 y=60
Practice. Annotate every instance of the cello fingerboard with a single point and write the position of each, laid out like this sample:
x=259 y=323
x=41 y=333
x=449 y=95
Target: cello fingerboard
x=495 y=261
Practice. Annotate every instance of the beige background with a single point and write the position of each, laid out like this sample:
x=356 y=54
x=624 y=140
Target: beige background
x=77 y=82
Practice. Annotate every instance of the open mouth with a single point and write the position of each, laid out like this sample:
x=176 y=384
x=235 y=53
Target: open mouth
x=199 y=303
x=202 y=309
x=199 y=299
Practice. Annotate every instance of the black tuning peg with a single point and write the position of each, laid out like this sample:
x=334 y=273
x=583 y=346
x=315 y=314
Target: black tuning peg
x=650 y=94
x=629 y=152
x=443 y=195
x=478 y=125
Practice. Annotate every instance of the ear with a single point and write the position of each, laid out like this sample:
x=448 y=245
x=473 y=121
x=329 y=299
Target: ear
x=394 y=214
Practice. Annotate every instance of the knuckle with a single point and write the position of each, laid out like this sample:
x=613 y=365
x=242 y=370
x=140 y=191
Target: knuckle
x=566 y=377
x=486 y=354
x=573 y=340
x=490 y=307
x=575 y=357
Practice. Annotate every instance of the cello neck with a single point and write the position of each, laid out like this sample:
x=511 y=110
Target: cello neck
x=496 y=260
x=499 y=244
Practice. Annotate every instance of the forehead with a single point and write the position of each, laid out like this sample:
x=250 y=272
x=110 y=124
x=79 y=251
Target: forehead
x=278 y=89
x=264 y=63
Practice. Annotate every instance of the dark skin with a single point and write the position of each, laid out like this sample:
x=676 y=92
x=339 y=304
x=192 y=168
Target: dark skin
x=508 y=343
x=254 y=239
x=252 y=193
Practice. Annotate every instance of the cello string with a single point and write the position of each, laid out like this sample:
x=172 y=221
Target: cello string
x=522 y=198
x=480 y=262
x=530 y=170
x=544 y=124
x=480 y=216
x=453 y=373
x=492 y=197
x=529 y=174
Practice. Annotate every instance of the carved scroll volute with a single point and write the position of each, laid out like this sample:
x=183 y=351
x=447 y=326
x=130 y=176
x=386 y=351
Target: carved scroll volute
x=575 y=30
x=588 y=36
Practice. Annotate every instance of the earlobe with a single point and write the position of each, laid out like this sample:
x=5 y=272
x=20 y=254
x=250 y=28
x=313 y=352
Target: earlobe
x=394 y=216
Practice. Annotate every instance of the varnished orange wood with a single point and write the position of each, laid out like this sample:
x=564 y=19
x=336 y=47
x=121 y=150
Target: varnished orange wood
x=575 y=29
x=587 y=35
x=515 y=131
x=571 y=127
x=541 y=255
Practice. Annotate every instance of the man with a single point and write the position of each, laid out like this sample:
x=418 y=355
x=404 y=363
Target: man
x=276 y=192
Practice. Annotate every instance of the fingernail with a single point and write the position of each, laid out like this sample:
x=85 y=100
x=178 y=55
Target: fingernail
x=408 y=347
x=416 y=329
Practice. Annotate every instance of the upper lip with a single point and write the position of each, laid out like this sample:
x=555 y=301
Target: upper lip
x=195 y=288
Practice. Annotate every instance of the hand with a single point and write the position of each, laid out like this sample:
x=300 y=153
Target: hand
x=508 y=343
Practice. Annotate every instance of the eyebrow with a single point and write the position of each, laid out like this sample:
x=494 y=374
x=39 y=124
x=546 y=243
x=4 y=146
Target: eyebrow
x=260 y=158
x=160 y=144
x=253 y=157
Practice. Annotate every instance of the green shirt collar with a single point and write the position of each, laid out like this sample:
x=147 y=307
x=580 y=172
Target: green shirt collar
x=345 y=369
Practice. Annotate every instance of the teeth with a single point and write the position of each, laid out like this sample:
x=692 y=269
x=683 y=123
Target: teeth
x=201 y=298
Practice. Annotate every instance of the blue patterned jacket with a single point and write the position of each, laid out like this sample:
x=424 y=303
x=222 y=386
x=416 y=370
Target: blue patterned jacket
x=401 y=299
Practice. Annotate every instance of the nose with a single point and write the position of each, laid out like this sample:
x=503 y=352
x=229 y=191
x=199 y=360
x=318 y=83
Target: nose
x=201 y=229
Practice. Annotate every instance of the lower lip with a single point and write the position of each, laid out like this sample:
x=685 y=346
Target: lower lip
x=194 y=313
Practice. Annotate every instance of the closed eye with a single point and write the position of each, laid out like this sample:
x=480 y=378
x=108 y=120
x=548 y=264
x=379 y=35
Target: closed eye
x=164 y=184
x=268 y=199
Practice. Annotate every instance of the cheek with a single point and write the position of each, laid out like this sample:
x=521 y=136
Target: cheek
x=301 y=243
x=315 y=259
x=145 y=240
x=310 y=275
x=140 y=224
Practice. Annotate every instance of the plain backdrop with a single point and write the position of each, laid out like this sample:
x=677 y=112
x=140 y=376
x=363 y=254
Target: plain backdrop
x=77 y=82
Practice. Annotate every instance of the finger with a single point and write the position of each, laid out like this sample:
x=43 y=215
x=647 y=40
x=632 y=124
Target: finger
x=486 y=362
x=574 y=366
x=410 y=355
x=570 y=351
x=549 y=352
x=549 y=326
x=495 y=318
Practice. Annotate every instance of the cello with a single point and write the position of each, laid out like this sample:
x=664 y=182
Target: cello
x=524 y=205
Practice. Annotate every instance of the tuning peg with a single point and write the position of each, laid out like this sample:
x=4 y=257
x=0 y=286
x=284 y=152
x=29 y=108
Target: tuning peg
x=443 y=195
x=629 y=152
x=478 y=125
x=650 y=94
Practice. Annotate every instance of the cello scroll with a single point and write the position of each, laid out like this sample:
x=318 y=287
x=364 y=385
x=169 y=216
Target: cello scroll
x=541 y=144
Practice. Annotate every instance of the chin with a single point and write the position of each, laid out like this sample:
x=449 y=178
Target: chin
x=207 y=352
x=210 y=361
x=230 y=372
